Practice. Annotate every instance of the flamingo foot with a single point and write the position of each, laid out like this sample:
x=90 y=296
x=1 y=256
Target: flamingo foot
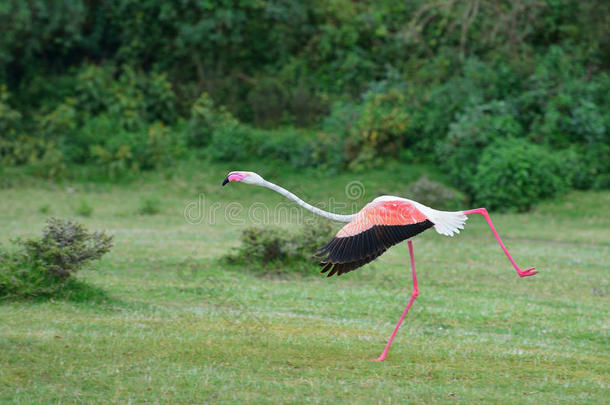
x=380 y=358
x=528 y=272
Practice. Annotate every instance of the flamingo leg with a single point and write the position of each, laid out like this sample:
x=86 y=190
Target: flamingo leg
x=483 y=211
x=414 y=295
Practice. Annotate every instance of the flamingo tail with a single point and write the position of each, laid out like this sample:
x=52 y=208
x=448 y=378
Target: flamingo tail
x=448 y=222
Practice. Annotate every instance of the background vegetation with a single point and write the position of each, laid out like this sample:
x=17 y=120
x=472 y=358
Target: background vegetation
x=131 y=87
x=125 y=116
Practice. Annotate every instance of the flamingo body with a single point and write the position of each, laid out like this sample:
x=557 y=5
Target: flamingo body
x=378 y=226
x=382 y=223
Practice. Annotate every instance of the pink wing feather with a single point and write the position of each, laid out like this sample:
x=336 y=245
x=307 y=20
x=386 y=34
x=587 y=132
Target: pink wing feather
x=375 y=228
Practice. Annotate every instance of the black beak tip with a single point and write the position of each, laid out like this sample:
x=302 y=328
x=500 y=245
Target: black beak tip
x=225 y=181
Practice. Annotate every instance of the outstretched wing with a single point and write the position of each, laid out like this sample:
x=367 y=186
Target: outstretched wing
x=378 y=226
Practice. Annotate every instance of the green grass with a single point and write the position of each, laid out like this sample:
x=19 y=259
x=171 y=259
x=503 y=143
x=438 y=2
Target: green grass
x=161 y=321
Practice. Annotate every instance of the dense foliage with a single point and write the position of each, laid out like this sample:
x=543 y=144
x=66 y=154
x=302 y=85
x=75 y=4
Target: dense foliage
x=45 y=266
x=132 y=86
x=515 y=173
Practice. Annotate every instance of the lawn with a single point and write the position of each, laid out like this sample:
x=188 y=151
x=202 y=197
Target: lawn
x=164 y=321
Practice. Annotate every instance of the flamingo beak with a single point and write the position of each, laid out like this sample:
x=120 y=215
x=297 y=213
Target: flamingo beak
x=225 y=181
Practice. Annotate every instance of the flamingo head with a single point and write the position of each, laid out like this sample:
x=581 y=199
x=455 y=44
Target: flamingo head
x=244 y=177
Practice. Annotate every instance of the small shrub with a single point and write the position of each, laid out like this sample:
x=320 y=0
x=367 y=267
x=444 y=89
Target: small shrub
x=84 y=209
x=435 y=195
x=516 y=174
x=278 y=249
x=44 y=266
x=264 y=245
x=149 y=206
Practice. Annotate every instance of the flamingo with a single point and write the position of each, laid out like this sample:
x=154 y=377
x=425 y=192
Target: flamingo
x=382 y=223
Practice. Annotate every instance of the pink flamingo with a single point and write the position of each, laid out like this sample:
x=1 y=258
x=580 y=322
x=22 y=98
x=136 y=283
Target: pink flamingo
x=382 y=223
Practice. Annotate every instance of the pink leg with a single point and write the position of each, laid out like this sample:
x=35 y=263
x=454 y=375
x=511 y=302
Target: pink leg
x=483 y=211
x=414 y=295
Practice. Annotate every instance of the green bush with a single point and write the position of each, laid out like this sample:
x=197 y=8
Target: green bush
x=472 y=131
x=264 y=245
x=277 y=249
x=45 y=266
x=514 y=174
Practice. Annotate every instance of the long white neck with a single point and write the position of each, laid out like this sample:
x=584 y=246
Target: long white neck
x=315 y=210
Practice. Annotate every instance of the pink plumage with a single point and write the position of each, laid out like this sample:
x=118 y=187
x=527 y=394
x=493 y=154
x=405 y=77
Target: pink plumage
x=377 y=227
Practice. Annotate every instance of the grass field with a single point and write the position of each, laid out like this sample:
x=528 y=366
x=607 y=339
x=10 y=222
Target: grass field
x=163 y=321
